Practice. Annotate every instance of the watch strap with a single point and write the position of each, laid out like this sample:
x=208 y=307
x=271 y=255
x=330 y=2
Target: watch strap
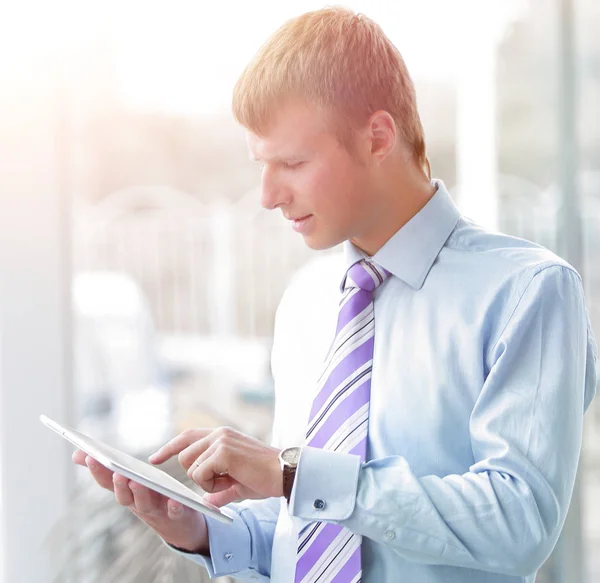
x=289 y=473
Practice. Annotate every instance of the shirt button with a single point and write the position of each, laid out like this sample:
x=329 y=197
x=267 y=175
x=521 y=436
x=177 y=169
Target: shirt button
x=390 y=535
x=228 y=556
x=319 y=504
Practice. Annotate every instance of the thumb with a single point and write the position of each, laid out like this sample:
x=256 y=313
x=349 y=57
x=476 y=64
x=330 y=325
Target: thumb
x=221 y=498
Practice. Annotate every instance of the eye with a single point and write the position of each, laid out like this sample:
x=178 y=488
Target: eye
x=293 y=165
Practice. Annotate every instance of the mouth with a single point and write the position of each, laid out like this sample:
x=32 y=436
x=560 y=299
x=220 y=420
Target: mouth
x=301 y=223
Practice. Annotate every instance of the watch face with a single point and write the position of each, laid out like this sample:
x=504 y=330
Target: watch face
x=291 y=455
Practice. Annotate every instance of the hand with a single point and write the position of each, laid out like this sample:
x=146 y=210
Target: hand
x=175 y=523
x=226 y=463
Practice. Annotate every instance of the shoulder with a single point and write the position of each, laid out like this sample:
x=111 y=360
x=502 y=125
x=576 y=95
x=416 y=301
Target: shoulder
x=505 y=259
x=497 y=278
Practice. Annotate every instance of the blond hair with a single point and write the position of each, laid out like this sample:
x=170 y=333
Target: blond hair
x=339 y=61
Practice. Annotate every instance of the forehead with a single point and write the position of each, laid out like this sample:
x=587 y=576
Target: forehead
x=295 y=127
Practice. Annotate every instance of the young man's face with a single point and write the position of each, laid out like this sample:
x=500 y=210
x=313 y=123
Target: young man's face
x=314 y=181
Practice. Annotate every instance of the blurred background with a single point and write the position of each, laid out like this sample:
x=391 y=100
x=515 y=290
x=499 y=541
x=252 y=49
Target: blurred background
x=139 y=276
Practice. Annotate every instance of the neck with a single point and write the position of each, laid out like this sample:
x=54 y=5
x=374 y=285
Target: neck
x=406 y=194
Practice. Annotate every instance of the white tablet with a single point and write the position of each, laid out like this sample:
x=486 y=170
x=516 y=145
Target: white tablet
x=138 y=471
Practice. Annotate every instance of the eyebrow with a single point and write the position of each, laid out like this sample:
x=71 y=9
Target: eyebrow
x=298 y=156
x=276 y=159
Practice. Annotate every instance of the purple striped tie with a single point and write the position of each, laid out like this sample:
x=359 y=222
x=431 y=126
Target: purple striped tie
x=339 y=421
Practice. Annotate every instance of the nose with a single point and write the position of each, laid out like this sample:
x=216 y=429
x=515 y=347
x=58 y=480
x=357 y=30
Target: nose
x=273 y=193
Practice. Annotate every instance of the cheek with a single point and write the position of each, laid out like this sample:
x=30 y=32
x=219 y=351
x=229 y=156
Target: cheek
x=348 y=194
x=313 y=189
x=333 y=191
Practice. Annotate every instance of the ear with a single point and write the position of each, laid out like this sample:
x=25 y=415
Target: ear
x=383 y=134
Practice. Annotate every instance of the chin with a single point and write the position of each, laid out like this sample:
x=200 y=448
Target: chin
x=321 y=244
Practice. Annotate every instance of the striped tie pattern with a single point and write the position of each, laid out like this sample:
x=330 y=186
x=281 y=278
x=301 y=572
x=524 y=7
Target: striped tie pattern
x=339 y=421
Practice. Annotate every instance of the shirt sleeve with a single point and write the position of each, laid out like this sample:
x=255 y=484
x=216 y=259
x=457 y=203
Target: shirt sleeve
x=505 y=514
x=243 y=548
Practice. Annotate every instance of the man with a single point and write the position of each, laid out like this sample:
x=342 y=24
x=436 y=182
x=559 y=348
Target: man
x=435 y=381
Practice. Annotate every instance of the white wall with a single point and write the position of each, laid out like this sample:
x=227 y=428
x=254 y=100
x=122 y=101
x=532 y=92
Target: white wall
x=35 y=369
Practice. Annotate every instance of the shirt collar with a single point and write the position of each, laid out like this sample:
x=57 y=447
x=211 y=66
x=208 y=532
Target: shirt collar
x=410 y=253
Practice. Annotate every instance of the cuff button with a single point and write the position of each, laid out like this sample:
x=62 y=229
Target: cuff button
x=319 y=504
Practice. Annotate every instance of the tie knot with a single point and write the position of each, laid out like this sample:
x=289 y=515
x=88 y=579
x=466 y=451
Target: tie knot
x=365 y=275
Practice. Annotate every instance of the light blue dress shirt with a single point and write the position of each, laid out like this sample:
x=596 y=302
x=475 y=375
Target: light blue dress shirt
x=484 y=364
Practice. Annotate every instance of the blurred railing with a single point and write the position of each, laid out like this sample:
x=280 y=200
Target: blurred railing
x=214 y=269
x=212 y=276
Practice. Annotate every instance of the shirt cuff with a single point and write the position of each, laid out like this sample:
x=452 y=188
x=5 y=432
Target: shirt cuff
x=325 y=485
x=230 y=548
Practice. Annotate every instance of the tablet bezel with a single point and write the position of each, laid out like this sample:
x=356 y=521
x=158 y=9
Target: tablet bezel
x=86 y=444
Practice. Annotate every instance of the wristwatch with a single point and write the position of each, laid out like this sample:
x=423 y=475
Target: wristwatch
x=288 y=461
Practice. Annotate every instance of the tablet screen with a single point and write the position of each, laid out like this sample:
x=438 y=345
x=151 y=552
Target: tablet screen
x=137 y=470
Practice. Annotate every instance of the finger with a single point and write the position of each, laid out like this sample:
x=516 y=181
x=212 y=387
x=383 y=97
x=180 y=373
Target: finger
x=102 y=475
x=198 y=450
x=221 y=483
x=222 y=498
x=146 y=501
x=79 y=457
x=209 y=471
x=175 y=510
x=197 y=460
x=178 y=444
x=123 y=493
